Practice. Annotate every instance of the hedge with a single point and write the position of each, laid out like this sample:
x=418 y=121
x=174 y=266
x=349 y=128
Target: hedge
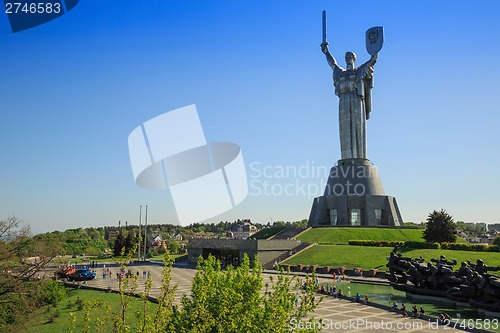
x=426 y=245
x=422 y=245
x=470 y=247
x=386 y=243
x=380 y=243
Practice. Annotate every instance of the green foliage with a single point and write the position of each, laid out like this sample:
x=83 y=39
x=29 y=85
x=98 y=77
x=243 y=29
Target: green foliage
x=18 y=291
x=89 y=241
x=228 y=300
x=341 y=235
x=384 y=243
x=174 y=246
x=440 y=228
x=126 y=241
x=414 y=225
x=51 y=291
x=300 y=224
x=497 y=241
x=231 y=301
x=221 y=300
x=421 y=245
x=119 y=244
x=470 y=247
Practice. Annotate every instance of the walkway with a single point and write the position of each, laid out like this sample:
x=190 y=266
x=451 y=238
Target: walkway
x=337 y=315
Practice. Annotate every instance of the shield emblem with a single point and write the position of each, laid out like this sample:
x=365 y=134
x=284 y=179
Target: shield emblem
x=374 y=40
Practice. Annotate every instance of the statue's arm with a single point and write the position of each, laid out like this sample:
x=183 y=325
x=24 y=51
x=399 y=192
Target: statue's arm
x=329 y=58
x=366 y=70
x=372 y=60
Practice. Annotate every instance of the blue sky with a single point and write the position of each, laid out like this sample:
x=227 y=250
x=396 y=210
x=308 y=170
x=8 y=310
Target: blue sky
x=74 y=88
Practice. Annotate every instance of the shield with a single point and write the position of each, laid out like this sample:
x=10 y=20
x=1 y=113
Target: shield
x=374 y=40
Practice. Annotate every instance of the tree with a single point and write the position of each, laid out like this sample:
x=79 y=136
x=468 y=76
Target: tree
x=18 y=283
x=119 y=244
x=497 y=241
x=174 y=246
x=131 y=242
x=229 y=301
x=440 y=228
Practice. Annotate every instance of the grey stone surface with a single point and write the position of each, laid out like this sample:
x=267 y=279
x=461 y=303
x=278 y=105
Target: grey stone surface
x=354 y=177
x=355 y=194
x=338 y=315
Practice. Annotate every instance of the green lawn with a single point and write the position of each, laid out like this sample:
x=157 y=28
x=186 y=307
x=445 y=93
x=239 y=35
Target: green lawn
x=40 y=323
x=173 y=256
x=368 y=257
x=267 y=232
x=339 y=235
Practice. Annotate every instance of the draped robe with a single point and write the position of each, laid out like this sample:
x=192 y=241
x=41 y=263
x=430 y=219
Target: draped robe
x=353 y=87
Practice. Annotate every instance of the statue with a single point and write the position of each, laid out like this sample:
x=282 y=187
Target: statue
x=469 y=284
x=353 y=87
x=354 y=194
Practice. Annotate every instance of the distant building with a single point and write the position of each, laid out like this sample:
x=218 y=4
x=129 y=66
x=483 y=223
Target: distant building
x=244 y=230
x=110 y=234
x=155 y=240
x=495 y=227
x=177 y=236
x=482 y=225
x=482 y=239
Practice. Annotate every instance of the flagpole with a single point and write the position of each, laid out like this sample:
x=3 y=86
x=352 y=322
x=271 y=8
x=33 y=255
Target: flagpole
x=145 y=231
x=139 y=249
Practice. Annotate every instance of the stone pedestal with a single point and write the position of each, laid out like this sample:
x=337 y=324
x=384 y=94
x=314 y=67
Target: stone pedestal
x=354 y=196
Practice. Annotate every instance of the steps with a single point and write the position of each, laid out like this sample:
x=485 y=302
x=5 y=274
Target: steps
x=289 y=233
x=286 y=255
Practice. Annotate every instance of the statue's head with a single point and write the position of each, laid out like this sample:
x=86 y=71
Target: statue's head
x=350 y=58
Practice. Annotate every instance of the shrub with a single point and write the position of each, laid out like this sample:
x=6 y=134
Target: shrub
x=422 y=245
x=381 y=243
x=387 y=243
x=470 y=247
x=52 y=292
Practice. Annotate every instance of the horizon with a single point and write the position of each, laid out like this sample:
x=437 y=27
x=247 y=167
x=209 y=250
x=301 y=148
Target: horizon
x=74 y=89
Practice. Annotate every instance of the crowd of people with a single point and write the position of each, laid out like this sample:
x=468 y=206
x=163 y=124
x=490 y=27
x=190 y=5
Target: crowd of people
x=415 y=313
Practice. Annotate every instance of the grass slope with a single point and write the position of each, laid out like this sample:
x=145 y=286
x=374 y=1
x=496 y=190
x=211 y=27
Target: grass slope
x=267 y=232
x=339 y=235
x=368 y=257
x=41 y=322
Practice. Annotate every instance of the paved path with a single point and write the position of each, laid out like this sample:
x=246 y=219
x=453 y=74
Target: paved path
x=337 y=315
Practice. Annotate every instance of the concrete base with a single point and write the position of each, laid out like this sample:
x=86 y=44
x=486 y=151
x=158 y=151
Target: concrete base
x=354 y=196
